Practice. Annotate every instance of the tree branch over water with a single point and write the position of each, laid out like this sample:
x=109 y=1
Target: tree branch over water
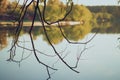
x=41 y=14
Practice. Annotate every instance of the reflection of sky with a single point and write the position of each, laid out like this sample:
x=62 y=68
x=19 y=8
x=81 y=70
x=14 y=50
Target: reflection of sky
x=100 y=62
x=103 y=59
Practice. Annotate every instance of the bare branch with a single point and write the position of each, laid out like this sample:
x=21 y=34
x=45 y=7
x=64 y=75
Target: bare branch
x=48 y=73
x=37 y=56
x=52 y=44
x=41 y=14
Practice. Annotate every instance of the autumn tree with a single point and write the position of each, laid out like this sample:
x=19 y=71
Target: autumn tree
x=3 y=6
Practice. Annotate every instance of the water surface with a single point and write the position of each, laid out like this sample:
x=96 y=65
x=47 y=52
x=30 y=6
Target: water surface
x=100 y=60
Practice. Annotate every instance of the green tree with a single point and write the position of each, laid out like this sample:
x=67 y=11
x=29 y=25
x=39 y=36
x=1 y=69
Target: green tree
x=53 y=2
x=80 y=13
x=54 y=10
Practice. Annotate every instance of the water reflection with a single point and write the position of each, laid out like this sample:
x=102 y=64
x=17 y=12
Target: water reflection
x=3 y=39
x=73 y=33
x=4 y=35
x=98 y=51
x=77 y=32
x=108 y=28
x=54 y=34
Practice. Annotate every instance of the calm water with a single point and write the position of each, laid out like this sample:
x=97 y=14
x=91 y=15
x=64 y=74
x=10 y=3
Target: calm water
x=100 y=61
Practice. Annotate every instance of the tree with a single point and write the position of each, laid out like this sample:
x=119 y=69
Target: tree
x=3 y=6
x=80 y=13
x=53 y=2
x=13 y=10
x=54 y=8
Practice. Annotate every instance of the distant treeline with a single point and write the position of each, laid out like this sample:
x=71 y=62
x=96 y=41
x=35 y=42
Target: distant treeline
x=56 y=10
x=110 y=12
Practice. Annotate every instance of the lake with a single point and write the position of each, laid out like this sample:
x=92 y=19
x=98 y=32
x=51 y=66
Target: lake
x=99 y=59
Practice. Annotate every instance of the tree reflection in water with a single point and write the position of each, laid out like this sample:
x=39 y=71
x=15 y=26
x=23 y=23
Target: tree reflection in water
x=56 y=38
x=77 y=32
x=3 y=39
x=4 y=34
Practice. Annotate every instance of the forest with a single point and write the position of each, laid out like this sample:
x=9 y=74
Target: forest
x=109 y=12
x=85 y=14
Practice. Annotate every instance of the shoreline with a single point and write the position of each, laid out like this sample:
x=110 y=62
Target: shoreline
x=37 y=23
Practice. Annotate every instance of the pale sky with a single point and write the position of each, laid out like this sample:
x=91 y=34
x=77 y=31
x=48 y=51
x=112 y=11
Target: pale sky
x=97 y=2
x=91 y=2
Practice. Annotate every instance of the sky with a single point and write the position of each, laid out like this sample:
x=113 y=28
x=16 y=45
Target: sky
x=97 y=2
x=92 y=2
